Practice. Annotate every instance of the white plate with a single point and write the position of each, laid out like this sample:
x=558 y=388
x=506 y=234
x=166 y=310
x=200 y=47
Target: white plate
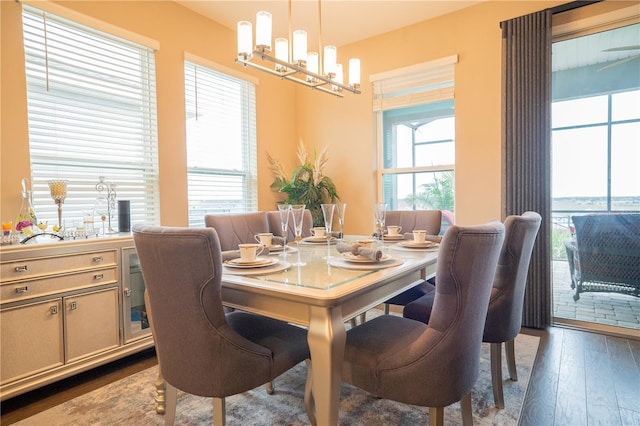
x=259 y=263
x=318 y=240
x=393 y=237
x=275 y=248
x=413 y=244
x=350 y=257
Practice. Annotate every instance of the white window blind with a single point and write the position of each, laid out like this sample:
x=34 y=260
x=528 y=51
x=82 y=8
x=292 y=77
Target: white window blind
x=92 y=112
x=221 y=143
x=415 y=85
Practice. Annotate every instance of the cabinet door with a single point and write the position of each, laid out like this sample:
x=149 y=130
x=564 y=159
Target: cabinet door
x=91 y=321
x=31 y=339
x=136 y=322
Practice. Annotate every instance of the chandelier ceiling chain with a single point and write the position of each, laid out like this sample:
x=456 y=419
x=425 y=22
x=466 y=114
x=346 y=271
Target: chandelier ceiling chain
x=292 y=61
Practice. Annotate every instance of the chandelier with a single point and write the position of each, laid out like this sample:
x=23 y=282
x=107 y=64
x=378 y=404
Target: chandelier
x=317 y=70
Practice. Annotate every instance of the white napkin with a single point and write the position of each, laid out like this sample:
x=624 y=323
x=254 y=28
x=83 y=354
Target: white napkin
x=358 y=250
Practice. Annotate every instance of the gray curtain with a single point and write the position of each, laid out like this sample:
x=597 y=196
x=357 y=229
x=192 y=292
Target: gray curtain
x=526 y=145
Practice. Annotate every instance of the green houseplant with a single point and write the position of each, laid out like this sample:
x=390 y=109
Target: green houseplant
x=307 y=184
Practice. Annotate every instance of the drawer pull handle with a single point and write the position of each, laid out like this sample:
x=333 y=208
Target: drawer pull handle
x=98 y=277
x=22 y=289
x=54 y=310
x=98 y=259
x=73 y=306
x=127 y=292
x=23 y=268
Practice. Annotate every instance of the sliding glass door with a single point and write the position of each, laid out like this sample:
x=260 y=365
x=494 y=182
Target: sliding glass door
x=595 y=166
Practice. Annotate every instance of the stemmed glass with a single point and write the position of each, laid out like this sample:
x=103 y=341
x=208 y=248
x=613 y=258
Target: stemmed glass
x=380 y=213
x=340 y=208
x=297 y=212
x=102 y=210
x=327 y=213
x=284 y=225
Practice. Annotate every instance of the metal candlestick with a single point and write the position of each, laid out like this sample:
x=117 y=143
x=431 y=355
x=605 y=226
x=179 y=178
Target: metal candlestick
x=110 y=196
x=58 y=191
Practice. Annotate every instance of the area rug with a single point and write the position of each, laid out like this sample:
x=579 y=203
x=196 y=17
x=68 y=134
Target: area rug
x=130 y=401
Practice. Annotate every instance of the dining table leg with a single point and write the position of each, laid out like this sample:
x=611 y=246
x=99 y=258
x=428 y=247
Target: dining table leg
x=326 y=338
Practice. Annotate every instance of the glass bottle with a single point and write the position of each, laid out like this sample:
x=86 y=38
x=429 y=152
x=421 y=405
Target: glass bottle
x=26 y=221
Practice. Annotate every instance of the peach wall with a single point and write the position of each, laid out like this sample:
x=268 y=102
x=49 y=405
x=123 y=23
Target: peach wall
x=286 y=112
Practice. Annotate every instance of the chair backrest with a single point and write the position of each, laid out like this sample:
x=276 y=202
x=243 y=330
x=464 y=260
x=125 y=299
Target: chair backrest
x=442 y=364
x=198 y=352
x=608 y=247
x=234 y=229
x=504 y=316
x=273 y=217
x=431 y=220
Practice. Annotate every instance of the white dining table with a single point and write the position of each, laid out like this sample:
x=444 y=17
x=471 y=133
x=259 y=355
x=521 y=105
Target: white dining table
x=322 y=295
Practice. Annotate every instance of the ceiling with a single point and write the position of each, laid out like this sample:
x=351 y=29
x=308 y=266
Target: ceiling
x=343 y=21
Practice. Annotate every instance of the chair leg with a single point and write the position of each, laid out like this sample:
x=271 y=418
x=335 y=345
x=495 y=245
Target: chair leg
x=436 y=416
x=511 y=359
x=353 y=323
x=363 y=318
x=386 y=309
x=496 y=374
x=467 y=412
x=171 y=399
x=309 y=405
x=269 y=387
x=219 y=412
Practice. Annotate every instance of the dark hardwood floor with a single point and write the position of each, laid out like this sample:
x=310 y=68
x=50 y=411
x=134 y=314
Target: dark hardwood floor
x=579 y=379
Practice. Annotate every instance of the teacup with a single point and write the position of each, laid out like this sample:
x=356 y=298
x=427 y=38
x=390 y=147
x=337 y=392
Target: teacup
x=419 y=235
x=249 y=252
x=368 y=243
x=264 y=238
x=318 y=231
x=393 y=230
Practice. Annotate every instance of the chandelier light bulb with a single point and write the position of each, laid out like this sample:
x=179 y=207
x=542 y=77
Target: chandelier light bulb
x=299 y=46
x=330 y=57
x=312 y=64
x=354 y=72
x=263 y=30
x=282 y=52
x=245 y=39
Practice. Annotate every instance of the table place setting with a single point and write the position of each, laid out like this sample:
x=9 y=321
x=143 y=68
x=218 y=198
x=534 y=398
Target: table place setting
x=247 y=261
x=361 y=255
x=319 y=235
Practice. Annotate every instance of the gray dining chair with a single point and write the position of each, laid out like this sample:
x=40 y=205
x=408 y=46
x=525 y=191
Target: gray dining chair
x=504 y=315
x=201 y=349
x=430 y=220
x=237 y=228
x=433 y=365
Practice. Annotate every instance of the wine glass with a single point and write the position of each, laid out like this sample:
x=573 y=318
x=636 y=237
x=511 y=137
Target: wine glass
x=284 y=225
x=327 y=213
x=380 y=213
x=340 y=208
x=297 y=212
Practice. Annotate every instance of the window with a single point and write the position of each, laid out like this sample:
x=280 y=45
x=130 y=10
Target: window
x=415 y=117
x=221 y=143
x=92 y=113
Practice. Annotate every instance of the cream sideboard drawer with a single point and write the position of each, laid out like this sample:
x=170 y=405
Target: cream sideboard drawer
x=36 y=267
x=15 y=291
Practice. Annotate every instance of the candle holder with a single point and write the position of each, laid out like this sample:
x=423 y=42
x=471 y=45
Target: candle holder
x=58 y=191
x=105 y=201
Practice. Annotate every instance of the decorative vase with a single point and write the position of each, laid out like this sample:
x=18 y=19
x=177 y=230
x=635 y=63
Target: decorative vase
x=26 y=221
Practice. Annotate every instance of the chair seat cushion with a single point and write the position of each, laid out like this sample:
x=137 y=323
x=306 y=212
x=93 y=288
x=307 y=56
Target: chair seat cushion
x=420 y=309
x=288 y=342
x=371 y=344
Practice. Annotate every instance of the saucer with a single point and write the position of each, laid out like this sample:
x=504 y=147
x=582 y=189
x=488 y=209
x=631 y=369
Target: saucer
x=413 y=244
x=318 y=240
x=350 y=257
x=393 y=237
x=275 y=248
x=258 y=263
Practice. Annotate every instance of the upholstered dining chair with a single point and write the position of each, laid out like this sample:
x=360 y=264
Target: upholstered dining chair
x=433 y=365
x=430 y=220
x=237 y=228
x=504 y=315
x=201 y=350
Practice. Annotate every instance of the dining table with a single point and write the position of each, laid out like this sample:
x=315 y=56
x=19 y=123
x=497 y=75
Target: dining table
x=323 y=293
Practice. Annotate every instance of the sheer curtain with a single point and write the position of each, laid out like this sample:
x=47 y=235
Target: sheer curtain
x=526 y=145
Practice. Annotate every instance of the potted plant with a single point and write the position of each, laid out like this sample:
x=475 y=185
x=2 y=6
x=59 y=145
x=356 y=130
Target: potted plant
x=307 y=185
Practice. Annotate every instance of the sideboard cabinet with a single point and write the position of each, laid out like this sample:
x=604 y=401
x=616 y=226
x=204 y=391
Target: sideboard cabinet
x=66 y=307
